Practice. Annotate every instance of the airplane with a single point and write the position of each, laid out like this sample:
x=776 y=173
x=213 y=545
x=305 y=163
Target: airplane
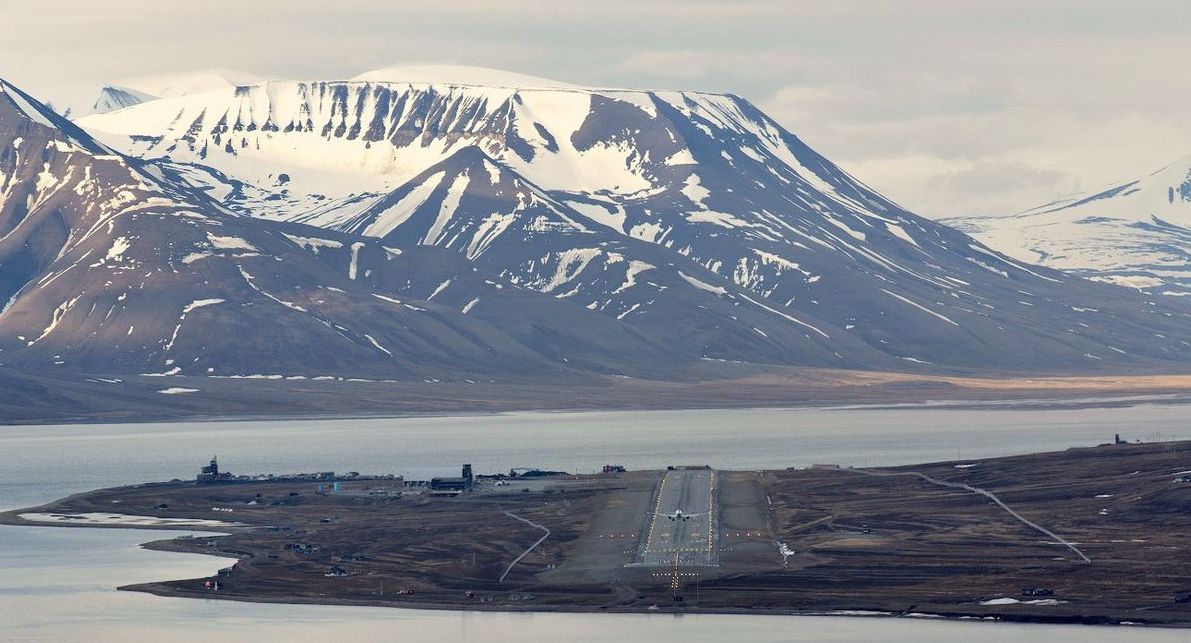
x=679 y=516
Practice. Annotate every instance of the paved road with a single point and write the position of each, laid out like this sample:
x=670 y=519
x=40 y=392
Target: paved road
x=692 y=540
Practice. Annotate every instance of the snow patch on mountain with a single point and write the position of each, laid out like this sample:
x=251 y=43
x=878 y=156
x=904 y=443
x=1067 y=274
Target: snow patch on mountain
x=229 y=243
x=447 y=209
x=702 y=285
x=313 y=244
x=567 y=266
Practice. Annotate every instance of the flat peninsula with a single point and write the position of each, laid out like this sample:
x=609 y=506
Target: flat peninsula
x=1097 y=535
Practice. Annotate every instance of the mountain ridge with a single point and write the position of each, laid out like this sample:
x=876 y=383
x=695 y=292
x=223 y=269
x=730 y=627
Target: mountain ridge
x=708 y=177
x=496 y=233
x=1135 y=233
x=109 y=265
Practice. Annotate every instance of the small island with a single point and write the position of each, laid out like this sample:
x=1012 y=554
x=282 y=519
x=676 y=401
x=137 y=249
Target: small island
x=1088 y=535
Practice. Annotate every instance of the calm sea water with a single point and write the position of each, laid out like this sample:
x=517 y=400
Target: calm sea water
x=57 y=584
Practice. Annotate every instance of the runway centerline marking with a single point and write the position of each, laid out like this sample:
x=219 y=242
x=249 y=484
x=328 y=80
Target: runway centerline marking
x=681 y=530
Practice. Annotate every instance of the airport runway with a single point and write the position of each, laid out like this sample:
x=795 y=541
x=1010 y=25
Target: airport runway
x=691 y=539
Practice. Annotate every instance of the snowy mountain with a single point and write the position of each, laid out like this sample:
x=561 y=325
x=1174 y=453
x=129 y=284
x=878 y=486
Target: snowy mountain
x=77 y=101
x=402 y=230
x=1136 y=234
x=688 y=216
x=112 y=98
x=111 y=265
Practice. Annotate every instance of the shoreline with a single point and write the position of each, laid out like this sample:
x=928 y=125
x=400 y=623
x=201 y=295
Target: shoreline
x=162 y=589
x=1009 y=404
x=165 y=591
x=1062 y=492
x=137 y=399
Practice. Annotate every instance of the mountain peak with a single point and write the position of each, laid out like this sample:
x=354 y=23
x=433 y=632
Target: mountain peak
x=77 y=101
x=684 y=214
x=459 y=75
x=1133 y=233
x=114 y=97
x=26 y=105
x=30 y=109
x=197 y=81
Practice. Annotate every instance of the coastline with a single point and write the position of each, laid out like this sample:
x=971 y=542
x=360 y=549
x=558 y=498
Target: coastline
x=1073 y=402
x=166 y=591
x=137 y=399
x=1065 y=507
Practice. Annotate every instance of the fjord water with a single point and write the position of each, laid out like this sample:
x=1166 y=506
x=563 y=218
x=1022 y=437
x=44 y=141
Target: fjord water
x=58 y=583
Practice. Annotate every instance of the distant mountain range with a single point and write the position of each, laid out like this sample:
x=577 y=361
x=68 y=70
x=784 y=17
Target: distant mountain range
x=499 y=227
x=1136 y=234
x=77 y=101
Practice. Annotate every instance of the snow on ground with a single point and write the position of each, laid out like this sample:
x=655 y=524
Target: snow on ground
x=702 y=285
x=693 y=189
x=377 y=345
x=681 y=157
x=603 y=166
x=721 y=219
x=57 y=317
x=446 y=210
x=119 y=246
x=229 y=243
x=1014 y=601
x=901 y=233
x=570 y=264
x=785 y=316
x=441 y=287
x=392 y=217
x=630 y=276
x=488 y=231
x=313 y=243
x=785 y=551
x=920 y=307
x=251 y=281
x=200 y=303
x=609 y=215
x=351 y=269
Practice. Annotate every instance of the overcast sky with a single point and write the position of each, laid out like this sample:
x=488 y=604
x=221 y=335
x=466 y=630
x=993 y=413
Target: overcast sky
x=947 y=106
